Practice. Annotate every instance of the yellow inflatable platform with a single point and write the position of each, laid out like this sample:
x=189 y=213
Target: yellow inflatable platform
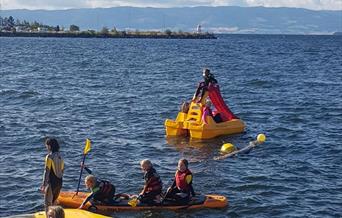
x=191 y=123
x=73 y=213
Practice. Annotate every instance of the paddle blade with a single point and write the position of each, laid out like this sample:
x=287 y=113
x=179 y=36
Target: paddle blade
x=87 y=146
x=133 y=202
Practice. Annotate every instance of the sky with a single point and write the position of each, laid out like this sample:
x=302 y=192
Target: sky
x=67 y=4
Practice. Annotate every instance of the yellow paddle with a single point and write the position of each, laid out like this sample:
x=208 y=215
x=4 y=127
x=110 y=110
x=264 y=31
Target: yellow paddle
x=86 y=150
x=134 y=202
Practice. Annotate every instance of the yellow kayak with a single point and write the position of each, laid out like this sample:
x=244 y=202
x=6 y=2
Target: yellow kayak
x=72 y=213
x=69 y=200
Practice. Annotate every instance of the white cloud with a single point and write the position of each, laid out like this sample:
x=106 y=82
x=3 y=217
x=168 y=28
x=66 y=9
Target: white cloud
x=310 y=4
x=65 y=4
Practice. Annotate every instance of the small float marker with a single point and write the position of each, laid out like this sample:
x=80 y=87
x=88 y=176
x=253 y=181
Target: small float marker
x=229 y=150
x=261 y=138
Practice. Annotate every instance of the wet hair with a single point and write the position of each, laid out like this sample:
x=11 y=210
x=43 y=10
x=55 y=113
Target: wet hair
x=90 y=178
x=185 y=162
x=206 y=70
x=54 y=146
x=146 y=162
x=56 y=212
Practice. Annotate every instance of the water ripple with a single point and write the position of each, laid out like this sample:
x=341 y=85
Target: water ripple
x=118 y=92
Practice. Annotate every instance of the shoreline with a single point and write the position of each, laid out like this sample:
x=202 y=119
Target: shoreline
x=152 y=35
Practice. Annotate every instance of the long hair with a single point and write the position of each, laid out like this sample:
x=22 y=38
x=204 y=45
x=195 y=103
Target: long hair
x=185 y=162
x=53 y=143
x=56 y=212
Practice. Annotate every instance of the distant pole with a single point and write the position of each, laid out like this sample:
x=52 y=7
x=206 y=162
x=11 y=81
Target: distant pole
x=97 y=21
x=164 y=22
x=129 y=18
x=0 y=15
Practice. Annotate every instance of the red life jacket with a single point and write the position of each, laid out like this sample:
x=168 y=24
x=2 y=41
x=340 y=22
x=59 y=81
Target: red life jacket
x=153 y=181
x=180 y=178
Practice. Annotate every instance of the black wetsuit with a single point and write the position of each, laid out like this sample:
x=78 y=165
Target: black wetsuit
x=203 y=86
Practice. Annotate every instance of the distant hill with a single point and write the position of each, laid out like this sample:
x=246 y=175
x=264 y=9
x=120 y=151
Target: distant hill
x=228 y=19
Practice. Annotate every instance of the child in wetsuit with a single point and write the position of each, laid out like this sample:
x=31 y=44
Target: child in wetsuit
x=53 y=173
x=203 y=86
x=101 y=191
x=181 y=190
x=153 y=184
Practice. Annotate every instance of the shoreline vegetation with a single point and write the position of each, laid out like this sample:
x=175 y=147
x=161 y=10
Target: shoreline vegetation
x=119 y=34
x=9 y=27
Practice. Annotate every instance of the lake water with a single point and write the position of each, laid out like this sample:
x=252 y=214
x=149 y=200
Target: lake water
x=118 y=92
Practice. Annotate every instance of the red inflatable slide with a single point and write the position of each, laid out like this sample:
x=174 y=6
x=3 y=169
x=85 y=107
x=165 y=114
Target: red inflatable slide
x=218 y=102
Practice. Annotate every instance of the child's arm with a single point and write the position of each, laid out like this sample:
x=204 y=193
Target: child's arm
x=192 y=190
x=48 y=163
x=88 y=170
x=145 y=186
x=204 y=116
x=173 y=184
x=86 y=200
x=189 y=181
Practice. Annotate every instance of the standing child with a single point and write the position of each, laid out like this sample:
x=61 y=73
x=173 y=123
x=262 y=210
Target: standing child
x=203 y=86
x=181 y=189
x=53 y=173
x=153 y=184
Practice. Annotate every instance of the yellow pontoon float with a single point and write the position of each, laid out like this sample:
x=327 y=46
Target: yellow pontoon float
x=191 y=124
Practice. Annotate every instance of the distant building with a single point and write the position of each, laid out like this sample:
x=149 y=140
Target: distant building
x=42 y=29
x=21 y=29
x=199 y=28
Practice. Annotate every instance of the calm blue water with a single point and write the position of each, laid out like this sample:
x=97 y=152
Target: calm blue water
x=118 y=92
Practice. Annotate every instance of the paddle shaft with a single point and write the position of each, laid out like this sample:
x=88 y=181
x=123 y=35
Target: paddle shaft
x=79 y=179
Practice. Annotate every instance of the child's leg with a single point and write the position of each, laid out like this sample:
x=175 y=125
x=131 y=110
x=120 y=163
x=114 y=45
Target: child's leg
x=111 y=197
x=149 y=197
x=55 y=192
x=172 y=193
x=48 y=198
x=182 y=198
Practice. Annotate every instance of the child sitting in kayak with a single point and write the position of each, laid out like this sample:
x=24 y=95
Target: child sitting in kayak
x=181 y=190
x=153 y=184
x=101 y=191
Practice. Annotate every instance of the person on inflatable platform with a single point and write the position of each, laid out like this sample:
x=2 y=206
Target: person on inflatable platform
x=53 y=173
x=153 y=185
x=181 y=190
x=203 y=86
x=102 y=191
x=55 y=212
x=208 y=112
